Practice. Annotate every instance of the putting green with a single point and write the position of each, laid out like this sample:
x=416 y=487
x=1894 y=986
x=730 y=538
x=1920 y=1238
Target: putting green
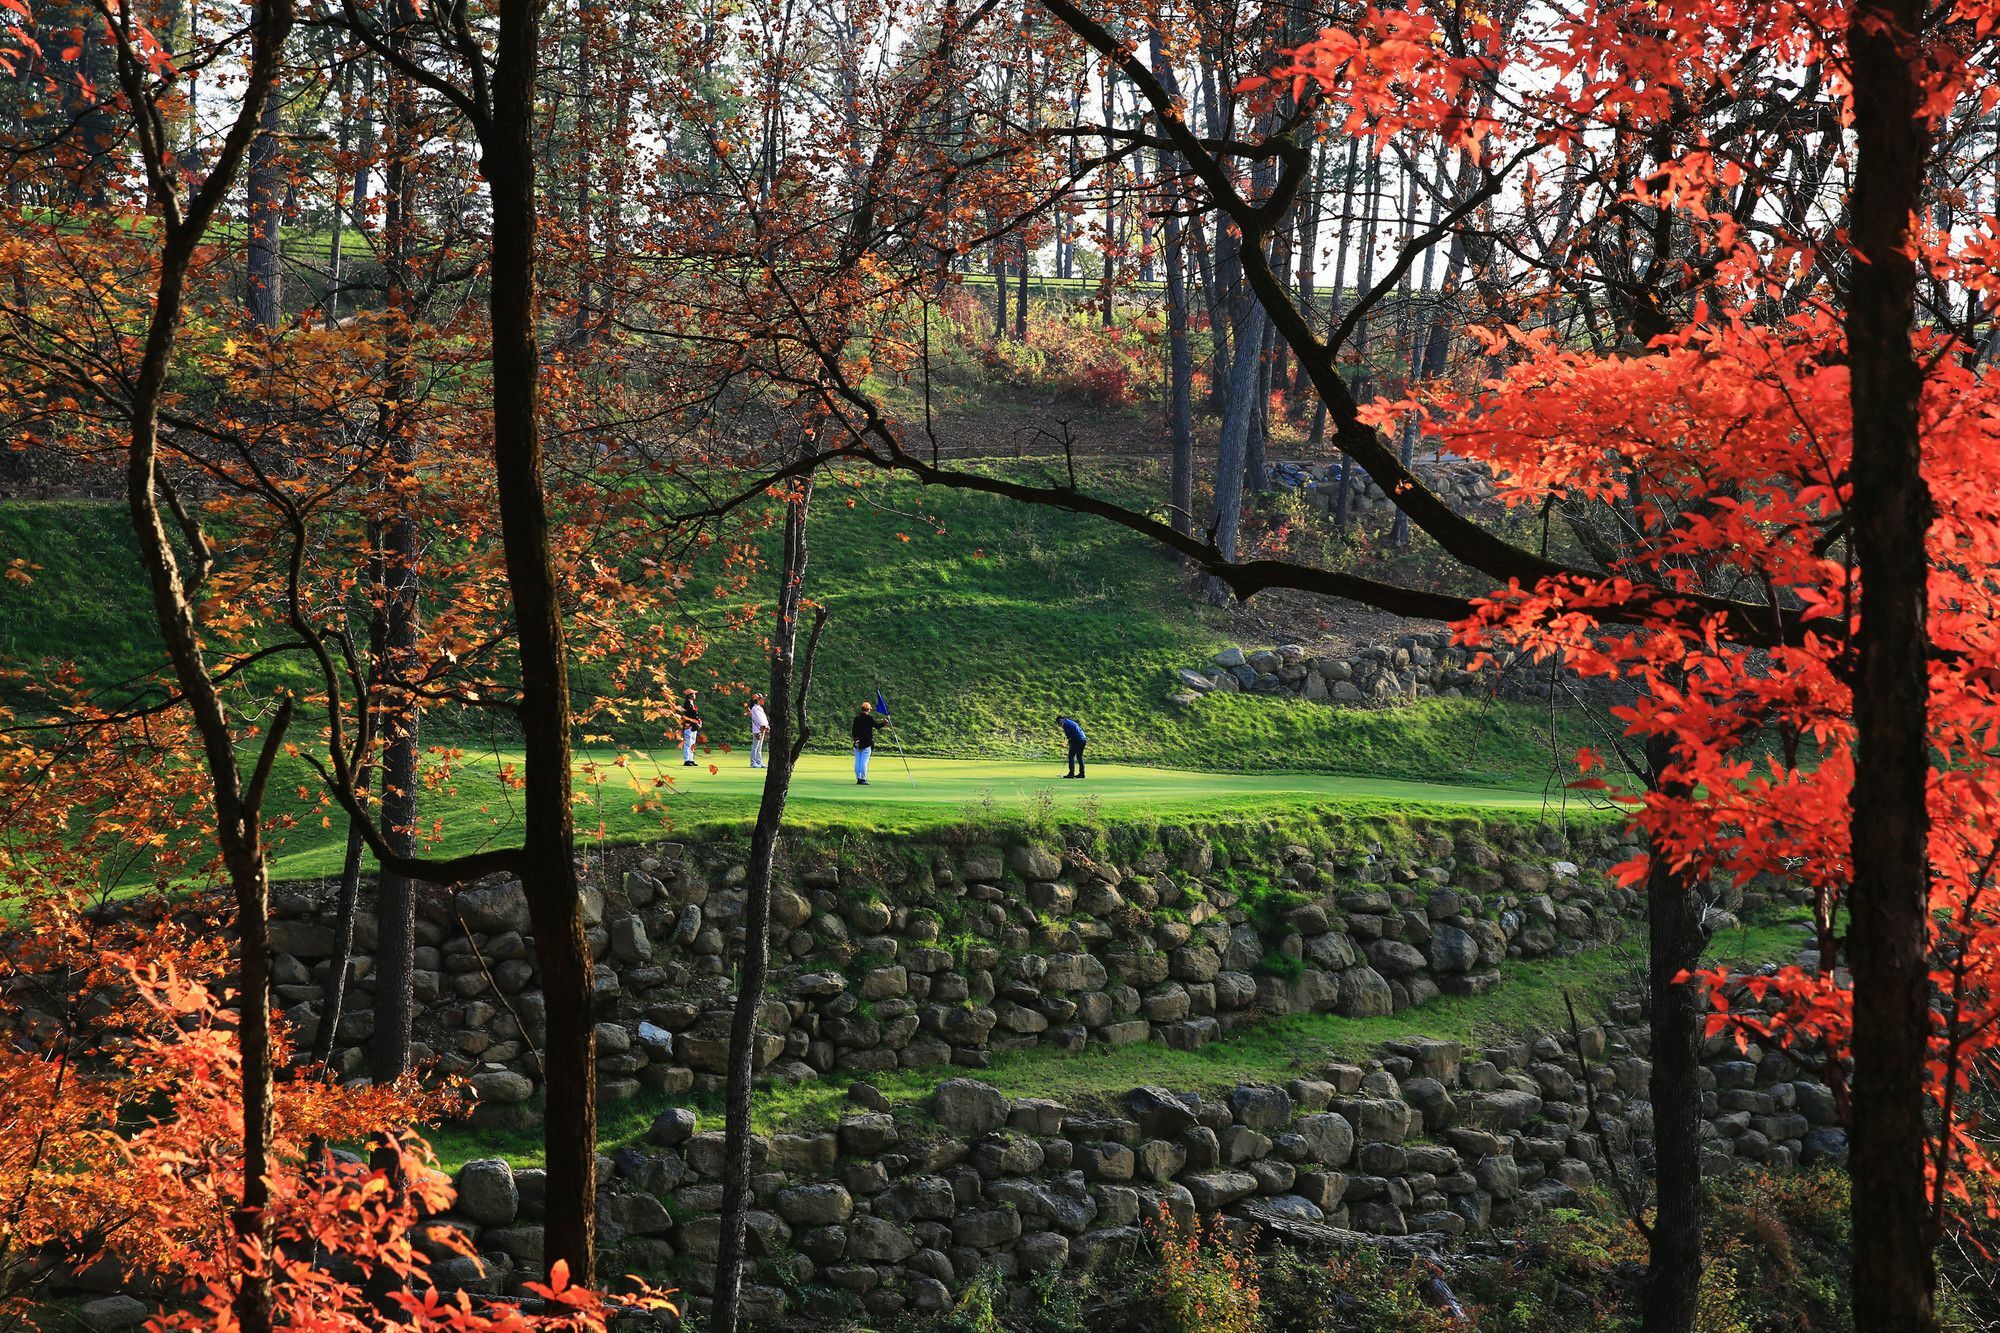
x=646 y=798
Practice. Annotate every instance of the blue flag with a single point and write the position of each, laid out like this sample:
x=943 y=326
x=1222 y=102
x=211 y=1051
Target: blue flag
x=881 y=704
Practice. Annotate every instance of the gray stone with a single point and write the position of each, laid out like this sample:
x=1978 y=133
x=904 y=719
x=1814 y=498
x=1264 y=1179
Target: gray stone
x=300 y=938
x=110 y=1313
x=1329 y=1137
x=986 y=1229
x=1218 y=1189
x=884 y=983
x=502 y=1087
x=628 y=941
x=1257 y=1106
x=487 y=1193
x=1364 y=993
x=873 y=1240
x=1161 y=1114
x=968 y=1108
x=1032 y=861
x=1042 y=1252
x=819 y=1205
x=1393 y=958
x=495 y=910
x=1452 y=950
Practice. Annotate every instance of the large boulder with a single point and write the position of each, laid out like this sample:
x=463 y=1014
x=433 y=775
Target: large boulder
x=1452 y=950
x=968 y=1108
x=1329 y=1137
x=1160 y=1113
x=1364 y=993
x=1032 y=861
x=495 y=910
x=487 y=1193
x=821 y=1205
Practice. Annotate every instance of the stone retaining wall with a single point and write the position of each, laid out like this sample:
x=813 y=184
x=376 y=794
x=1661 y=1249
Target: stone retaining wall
x=896 y=1209
x=912 y=955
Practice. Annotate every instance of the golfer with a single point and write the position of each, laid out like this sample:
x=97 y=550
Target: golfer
x=760 y=727
x=1073 y=732
x=866 y=723
x=690 y=727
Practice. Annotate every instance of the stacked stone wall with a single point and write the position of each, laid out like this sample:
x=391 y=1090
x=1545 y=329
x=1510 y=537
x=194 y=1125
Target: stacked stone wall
x=892 y=1209
x=911 y=956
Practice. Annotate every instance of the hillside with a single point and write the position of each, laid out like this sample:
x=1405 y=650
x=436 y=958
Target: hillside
x=980 y=621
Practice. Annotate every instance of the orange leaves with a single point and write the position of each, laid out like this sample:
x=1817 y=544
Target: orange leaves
x=1721 y=456
x=135 y=1097
x=1393 y=73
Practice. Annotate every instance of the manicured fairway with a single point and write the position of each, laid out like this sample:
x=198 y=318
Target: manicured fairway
x=931 y=793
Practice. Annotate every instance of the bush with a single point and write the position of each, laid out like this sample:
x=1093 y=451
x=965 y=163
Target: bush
x=1207 y=1280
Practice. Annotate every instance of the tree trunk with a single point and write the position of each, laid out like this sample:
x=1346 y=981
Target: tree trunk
x=395 y=895
x=548 y=845
x=266 y=185
x=398 y=579
x=1891 y=512
x=787 y=739
x=999 y=290
x=1180 y=357
x=1674 y=939
x=1335 y=296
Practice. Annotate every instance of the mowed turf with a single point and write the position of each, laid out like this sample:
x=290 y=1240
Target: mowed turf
x=645 y=798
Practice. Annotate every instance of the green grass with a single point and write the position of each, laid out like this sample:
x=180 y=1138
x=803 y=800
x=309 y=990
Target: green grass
x=1530 y=998
x=934 y=794
x=985 y=625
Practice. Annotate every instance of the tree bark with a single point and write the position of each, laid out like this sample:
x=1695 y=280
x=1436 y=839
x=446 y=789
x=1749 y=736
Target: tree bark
x=788 y=736
x=266 y=187
x=1180 y=356
x=548 y=844
x=1891 y=512
x=1674 y=938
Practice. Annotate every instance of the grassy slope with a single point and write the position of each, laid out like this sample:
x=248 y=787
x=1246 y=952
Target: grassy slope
x=980 y=634
x=1530 y=998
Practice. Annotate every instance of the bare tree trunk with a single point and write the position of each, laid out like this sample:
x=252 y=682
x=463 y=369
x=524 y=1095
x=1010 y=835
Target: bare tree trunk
x=398 y=576
x=1180 y=357
x=395 y=894
x=1021 y=290
x=787 y=740
x=343 y=144
x=548 y=847
x=999 y=288
x=1336 y=297
x=1891 y=511
x=1675 y=939
x=266 y=185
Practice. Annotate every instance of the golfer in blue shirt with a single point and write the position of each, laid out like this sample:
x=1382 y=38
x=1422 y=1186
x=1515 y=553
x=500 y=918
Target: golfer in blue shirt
x=1073 y=732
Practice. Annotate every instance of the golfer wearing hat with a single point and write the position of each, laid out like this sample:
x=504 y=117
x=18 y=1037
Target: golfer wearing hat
x=866 y=723
x=690 y=727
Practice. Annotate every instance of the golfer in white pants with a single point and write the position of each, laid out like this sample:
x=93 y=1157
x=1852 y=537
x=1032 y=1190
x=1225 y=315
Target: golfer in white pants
x=760 y=727
x=690 y=728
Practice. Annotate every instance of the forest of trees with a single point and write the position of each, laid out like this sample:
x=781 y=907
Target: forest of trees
x=398 y=330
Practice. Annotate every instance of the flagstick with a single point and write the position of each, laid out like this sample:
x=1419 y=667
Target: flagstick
x=899 y=745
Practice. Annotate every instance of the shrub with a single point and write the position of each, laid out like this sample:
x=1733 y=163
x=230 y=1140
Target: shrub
x=1207 y=1280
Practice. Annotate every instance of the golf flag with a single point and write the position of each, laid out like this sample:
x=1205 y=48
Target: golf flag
x=881 y=704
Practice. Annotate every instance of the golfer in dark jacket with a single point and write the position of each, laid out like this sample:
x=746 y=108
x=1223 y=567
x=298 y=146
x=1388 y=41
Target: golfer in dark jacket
x=1073 y=732
x=866 y=722
x=690 y=728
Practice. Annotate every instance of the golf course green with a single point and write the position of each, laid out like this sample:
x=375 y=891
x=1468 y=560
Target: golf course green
x=645 y=798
